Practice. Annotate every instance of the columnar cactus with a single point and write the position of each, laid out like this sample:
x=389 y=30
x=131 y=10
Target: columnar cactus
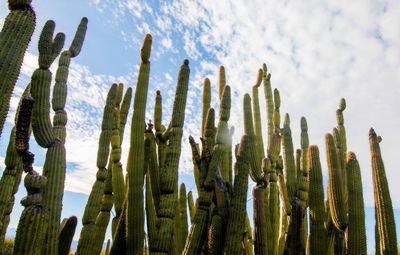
x=237 y=211
x=33 y=223
x=93 y=204
x=10 y=180
x=67 y=231
x=383 y=203
x=257 y=116
x=318 y=235
x=335 y=185
x=135 y=169
x=356 y=237
x=289 y=166
x=19 y=23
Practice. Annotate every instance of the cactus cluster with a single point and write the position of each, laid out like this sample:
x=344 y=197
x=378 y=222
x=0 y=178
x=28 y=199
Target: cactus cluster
x=290 y=213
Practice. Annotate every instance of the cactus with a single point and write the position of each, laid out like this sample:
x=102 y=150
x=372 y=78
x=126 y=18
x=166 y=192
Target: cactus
x=215 y=235
x=33 y=223
x=19 y=23
x=67 y=231
x=93 y=204
x=192 y=208
x=135 y=210
x=335 y=185
x=206 y=103
x=383 y=203
x=183 y=223
x=10 y=180
x=257 y=116
x=237 y=210
x=289 y=166
x=356 y=238
x=269 y=103
x=318 y=235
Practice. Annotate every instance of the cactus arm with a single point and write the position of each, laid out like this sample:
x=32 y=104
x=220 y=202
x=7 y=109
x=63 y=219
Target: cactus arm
x=192 y=207
x=67 y=231
x=257 y=116
x=255 y=163
x=221 y=82
x=269 y=104
x=19 y=23
x=289 y=166
x=205 y=103
x=183 y=222
x=383 y=202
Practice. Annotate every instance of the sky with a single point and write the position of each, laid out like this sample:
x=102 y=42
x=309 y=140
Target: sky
x=317 y=52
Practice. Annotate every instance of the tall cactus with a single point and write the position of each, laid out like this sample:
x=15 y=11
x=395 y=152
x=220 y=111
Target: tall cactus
x=33 y=223
x=356 y=237
x=169 y=168
x=335 y=185
x=14 y=39
x=318 y=235
x=237 y=211
x=135 y=209
x=93 y=204
x=383 y=203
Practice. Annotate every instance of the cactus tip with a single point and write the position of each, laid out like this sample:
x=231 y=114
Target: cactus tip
x=158 y=92
x=146 y=48
x=303 y=124
x=186 y=62
x=351 y=156
x=342 y=104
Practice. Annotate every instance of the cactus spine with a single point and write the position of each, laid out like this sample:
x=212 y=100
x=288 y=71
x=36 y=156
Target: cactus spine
x=19 y=23
x=383 y=203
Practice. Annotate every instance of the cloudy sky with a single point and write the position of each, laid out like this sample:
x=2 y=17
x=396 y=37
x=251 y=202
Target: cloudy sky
x=317 y=52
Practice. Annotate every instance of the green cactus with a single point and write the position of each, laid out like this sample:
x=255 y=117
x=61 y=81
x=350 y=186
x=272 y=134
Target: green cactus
x=289 y=166
x=33 y=223
x=383 y=203
x=318 y=235
x=294 y=245
x=19 y=23
x=269 y=103
x=192 y=207
x=183 y=222
x=255 y=163
x=93 y=204
x=237 y=210
x=215 y=235
x=169 y=168
x=205 y=103
x=257 y=116
x=221 y=82
x=335 y=185
x=135 y=165
x=356 y=237
x=67 y=231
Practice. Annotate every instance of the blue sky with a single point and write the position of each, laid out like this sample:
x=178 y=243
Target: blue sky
x=317 y=52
